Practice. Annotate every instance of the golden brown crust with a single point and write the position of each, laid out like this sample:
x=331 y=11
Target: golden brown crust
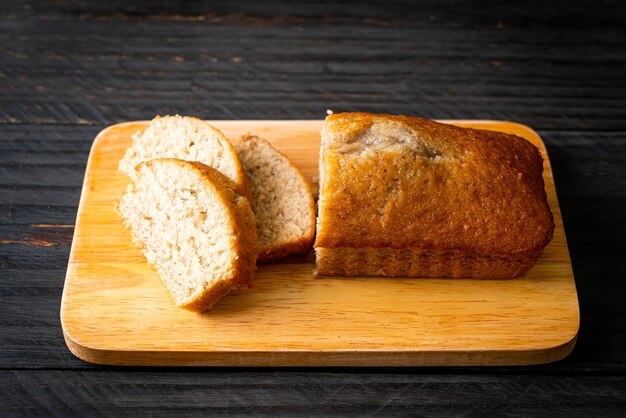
x=397 y=182
x=300 y=246
x=416 y=263
x=210 y=297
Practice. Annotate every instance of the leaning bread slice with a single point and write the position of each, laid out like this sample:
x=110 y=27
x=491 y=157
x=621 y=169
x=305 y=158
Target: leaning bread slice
x=193 y=227
x=186 y=138
x=284 y=206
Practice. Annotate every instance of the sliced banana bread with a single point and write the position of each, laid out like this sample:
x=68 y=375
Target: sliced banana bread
x=194 y=229
x=284 y=206
x=186 y=138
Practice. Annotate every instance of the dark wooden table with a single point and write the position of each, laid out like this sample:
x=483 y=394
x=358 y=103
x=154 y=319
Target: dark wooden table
x=70 y=68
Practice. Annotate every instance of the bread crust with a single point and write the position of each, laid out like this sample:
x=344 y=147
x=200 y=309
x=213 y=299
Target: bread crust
x=430 y=193
x=391 y=262
x=300 y=246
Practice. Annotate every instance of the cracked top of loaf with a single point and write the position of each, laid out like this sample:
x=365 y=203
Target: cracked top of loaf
x=403 y=182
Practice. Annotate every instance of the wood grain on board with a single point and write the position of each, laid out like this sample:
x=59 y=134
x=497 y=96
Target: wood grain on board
x=116 y=311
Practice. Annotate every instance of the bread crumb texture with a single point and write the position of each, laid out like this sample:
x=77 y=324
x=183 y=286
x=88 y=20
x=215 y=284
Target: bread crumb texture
x=186 y=138
x=284 y=206
x=194 y=229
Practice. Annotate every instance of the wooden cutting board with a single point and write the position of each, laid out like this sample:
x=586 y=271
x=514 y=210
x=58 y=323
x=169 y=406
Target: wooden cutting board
x=116 y=311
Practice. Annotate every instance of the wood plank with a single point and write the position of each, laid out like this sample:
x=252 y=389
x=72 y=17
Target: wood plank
x=13 y=214
x=115 y=310
x=62 y=64
x=302 y=393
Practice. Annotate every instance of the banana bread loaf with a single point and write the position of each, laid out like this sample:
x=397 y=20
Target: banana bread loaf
x=409 y=197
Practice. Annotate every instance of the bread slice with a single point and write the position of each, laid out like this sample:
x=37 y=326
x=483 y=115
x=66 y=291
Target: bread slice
x=186 y=138
x=403 y=196
x=284 y=206
x=194 y=228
